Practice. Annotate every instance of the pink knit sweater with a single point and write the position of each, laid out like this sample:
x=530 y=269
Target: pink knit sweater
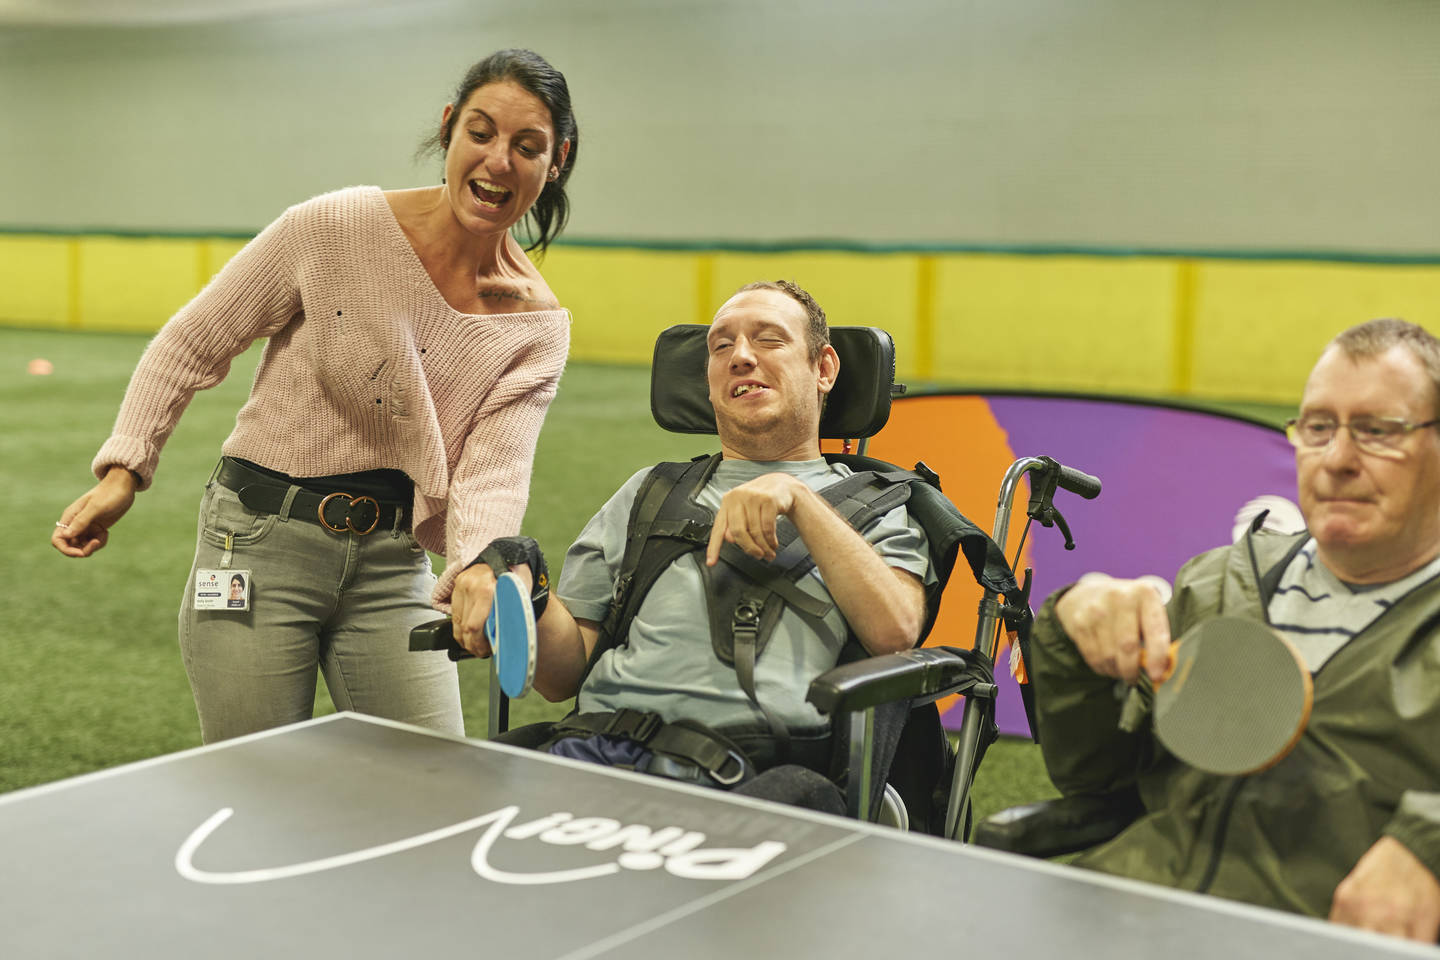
x=367 y=367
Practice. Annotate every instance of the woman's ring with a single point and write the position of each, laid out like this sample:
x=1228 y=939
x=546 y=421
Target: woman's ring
x=61 y=523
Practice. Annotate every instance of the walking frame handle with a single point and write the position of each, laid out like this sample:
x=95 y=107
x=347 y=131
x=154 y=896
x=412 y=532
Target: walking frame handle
x=1077 y=481
x=1050 y=475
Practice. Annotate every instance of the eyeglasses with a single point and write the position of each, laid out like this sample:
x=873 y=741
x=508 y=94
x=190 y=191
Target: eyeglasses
x=1380 y=436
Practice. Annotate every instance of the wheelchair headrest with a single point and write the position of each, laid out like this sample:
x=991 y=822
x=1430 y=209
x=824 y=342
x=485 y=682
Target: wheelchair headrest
x=857 y=407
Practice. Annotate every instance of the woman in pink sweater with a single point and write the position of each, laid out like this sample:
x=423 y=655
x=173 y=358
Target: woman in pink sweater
x=413 y=350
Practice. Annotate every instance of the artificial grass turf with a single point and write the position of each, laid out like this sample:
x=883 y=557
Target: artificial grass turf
x=90 y=672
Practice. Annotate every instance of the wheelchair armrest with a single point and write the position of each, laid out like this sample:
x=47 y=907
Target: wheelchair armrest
x=925 y=673
x=1052 y=828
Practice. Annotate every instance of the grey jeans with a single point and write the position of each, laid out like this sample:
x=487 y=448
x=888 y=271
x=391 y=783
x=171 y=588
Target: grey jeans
x=341 y=604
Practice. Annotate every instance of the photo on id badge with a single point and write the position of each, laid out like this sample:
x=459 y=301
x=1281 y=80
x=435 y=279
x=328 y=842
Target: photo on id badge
x=222 y=590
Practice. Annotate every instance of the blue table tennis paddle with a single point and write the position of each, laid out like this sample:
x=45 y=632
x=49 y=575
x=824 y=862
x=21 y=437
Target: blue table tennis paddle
x=510 y=628
x=511 y=631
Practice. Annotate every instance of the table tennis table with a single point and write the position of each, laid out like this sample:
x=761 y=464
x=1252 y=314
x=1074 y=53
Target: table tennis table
x=357 y=837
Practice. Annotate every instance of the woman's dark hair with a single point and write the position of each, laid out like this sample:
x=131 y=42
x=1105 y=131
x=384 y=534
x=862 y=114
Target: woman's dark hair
x=532 y=72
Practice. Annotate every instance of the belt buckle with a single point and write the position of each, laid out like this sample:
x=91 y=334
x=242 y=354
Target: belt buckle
x=349 y=523
x=636 y=725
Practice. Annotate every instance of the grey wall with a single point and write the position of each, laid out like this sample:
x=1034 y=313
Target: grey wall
x=1266 y=124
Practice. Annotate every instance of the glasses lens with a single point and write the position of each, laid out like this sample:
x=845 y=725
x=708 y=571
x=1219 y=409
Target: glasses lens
x=1312 y=431
x=1377 y=433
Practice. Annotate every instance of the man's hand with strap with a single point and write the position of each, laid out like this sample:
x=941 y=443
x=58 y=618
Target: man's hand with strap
x=563 y=644
x=475 y=587
x=884 y=606
x=748 y=515
x=470 y=603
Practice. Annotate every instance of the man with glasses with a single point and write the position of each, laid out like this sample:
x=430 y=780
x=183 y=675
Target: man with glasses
x=1348 y=824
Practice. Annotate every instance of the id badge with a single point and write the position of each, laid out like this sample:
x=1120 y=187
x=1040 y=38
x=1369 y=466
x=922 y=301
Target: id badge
x=227 y=590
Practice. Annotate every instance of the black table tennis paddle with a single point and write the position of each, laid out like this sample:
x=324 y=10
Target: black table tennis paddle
x=1235 y=699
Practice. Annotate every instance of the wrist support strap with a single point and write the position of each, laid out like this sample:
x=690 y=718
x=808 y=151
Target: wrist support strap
x=507 y=552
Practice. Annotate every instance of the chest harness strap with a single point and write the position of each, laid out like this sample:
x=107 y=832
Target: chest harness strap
x=744 y=596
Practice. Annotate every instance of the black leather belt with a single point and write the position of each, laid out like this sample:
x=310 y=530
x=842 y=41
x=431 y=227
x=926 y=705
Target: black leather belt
x=338 y=512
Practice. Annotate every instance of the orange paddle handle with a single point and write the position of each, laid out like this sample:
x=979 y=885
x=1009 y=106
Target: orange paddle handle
x=1169 y=667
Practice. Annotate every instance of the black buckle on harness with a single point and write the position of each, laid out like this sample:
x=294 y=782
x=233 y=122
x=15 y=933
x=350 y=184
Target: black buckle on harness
x=745 y=621
x=633 y=725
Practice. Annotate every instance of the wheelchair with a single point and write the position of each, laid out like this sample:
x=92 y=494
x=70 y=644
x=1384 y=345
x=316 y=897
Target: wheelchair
x=890 y=759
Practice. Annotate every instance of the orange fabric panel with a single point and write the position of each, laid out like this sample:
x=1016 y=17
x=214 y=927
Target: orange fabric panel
x=971 y=463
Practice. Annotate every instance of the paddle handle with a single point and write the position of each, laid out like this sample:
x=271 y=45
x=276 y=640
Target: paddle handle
x=1169 y=667
x=1136 y=705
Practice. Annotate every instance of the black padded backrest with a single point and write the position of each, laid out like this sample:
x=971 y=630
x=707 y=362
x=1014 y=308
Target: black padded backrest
x=858 y=406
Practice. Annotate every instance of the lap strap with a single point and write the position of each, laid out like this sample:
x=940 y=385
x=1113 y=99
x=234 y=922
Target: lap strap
x=683 y=740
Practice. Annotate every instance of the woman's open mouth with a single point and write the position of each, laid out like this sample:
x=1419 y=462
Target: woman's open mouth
x=490 y=195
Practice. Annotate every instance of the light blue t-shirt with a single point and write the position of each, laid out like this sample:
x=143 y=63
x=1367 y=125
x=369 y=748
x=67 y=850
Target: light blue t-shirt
x=668 y=665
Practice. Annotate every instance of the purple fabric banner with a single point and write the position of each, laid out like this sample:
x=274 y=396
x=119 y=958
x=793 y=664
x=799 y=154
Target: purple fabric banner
x=1176 y=482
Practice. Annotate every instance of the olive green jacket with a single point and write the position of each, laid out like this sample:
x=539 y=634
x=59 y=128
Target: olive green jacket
x=1368 y=763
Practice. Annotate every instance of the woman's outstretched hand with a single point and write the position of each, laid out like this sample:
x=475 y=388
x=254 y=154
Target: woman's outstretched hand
x=85 y=525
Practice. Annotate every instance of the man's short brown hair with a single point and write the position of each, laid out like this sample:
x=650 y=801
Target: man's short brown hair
x=817 y=331
x=1374 y=337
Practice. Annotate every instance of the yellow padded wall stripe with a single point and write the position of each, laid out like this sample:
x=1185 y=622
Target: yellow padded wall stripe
x=704 y=288
x=1061 y=322
x=34 y=281
x=1183 y=326
x=925 y=326
x=74 y=271
x=135 y=283
x=621 y=299
x=1260 y=325
x=1182 y=344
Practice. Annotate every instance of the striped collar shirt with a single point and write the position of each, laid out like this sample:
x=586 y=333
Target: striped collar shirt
x=1319 y=613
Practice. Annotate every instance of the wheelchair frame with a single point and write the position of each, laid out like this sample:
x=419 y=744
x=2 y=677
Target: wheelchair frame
x=917 y=677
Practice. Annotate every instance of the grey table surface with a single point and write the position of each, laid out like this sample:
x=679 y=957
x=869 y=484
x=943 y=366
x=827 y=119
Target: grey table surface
x=356 y=837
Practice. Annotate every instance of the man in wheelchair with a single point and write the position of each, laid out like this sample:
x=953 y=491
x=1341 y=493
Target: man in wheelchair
x=701 y=675
x=1347 y=825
